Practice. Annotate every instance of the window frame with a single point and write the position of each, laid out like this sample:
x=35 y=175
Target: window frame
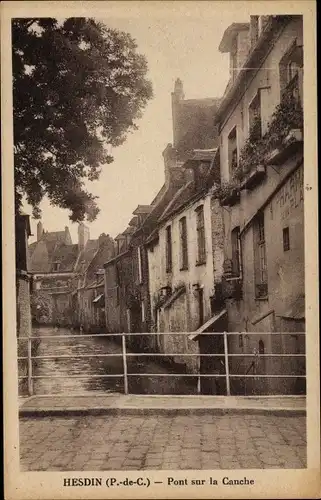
x=183 y=240
x=260 y=258
x=251 y=112
x=236 y=252
x=140 y=264
x=232 y=153
x=200 y=235
x=169 y=249
x=286 y=239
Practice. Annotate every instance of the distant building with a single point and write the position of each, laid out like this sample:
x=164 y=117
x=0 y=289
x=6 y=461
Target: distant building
x=66 y=280
x=260 y=123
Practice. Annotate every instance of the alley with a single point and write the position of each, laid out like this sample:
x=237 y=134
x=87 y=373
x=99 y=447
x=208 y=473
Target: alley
x=205 y=442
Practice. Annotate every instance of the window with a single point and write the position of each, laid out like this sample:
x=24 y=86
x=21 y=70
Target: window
x=236 y=251
x=169 y=261
x=140 y=269
x=232 y=151
x=260 y=271
x=289 y=68
x=286 y=239
x=255 y=122
x=200 y=230
x=55 y=266
x=183 y=243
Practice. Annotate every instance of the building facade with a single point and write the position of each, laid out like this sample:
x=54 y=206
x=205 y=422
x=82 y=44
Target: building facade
x=261 y=153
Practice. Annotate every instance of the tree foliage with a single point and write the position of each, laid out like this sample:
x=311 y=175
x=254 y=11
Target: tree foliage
x=78 y=88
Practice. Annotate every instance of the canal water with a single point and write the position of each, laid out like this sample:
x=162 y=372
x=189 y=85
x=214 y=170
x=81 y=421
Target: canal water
x=72 y=375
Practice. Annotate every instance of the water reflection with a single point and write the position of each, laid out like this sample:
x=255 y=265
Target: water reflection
x=62 y=374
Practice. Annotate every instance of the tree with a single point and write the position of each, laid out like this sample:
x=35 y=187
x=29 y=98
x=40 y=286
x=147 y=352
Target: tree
x=78 y=88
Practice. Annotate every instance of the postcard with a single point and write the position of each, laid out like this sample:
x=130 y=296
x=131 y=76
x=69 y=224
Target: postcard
x=160 y=250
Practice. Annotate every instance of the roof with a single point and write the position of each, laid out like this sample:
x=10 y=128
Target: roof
x=103 y=253
x=202 y=154
x=142 y=209
x=297 y=309
x=133 y=221
x=229 y=35
x=208 y=324
x=120 y=237
x=254 y=60
x=183 y=195
x=44 y=253
x=129 y=230
x=87 y=255
x=174 y=296
x=66 y=255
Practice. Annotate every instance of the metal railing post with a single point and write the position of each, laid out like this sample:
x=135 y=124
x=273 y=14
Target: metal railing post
x=30 y=381
x=125 y=363
x=227 y=372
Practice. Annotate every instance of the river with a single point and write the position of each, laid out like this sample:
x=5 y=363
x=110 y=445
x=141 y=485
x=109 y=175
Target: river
x=72 y=375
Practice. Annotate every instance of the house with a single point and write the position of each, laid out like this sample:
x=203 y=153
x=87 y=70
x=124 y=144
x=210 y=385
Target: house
x=52 y=260
x=127 y=288
x=185 y=257
x=89 y=306
x=260 y=122
x=68 y=278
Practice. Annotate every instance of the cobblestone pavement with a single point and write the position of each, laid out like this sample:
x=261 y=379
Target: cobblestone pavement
x=205 y=442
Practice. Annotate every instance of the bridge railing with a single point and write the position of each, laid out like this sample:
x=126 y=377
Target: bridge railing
x=124 y=354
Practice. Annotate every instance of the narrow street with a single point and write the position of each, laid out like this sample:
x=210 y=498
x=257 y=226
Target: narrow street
x=200 y=442
x=61 y=373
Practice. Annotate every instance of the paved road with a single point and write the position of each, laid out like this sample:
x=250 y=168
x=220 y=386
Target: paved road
x=205 y=442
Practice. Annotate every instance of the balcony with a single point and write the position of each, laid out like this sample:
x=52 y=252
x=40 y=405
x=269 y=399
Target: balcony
x=254 y=177
x=292 y=143
x=283 y=138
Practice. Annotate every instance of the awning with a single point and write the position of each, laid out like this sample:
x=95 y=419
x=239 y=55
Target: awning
x=206 y=325
x=297 y=309
x=98 y=298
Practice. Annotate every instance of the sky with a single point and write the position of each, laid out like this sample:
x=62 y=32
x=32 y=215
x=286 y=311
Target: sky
x=183 y=47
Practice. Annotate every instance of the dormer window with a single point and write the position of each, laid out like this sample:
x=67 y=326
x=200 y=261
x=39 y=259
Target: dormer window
x=56 y=266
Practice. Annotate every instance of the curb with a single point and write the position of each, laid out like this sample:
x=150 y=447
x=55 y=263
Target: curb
x=132 y=411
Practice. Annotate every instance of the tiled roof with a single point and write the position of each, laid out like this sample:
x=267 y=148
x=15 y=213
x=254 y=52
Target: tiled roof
x=102 y=254
x=87 y=255
x=67 y=256
x=142 y=209
x=54 y=236
x=183 y=195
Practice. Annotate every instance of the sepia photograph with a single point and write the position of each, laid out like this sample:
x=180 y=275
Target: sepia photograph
x=160 y=238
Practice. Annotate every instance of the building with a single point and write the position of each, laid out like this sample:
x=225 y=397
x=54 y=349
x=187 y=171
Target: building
x=260 y=122
x=185 y=256
x=67 y=278
x=52 y=260
x=127 y=287
x=89 y=306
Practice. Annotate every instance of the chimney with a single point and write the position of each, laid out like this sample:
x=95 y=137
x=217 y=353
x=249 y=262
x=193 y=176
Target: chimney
x=39 y=230
x=83 y=236
x=177 y=97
